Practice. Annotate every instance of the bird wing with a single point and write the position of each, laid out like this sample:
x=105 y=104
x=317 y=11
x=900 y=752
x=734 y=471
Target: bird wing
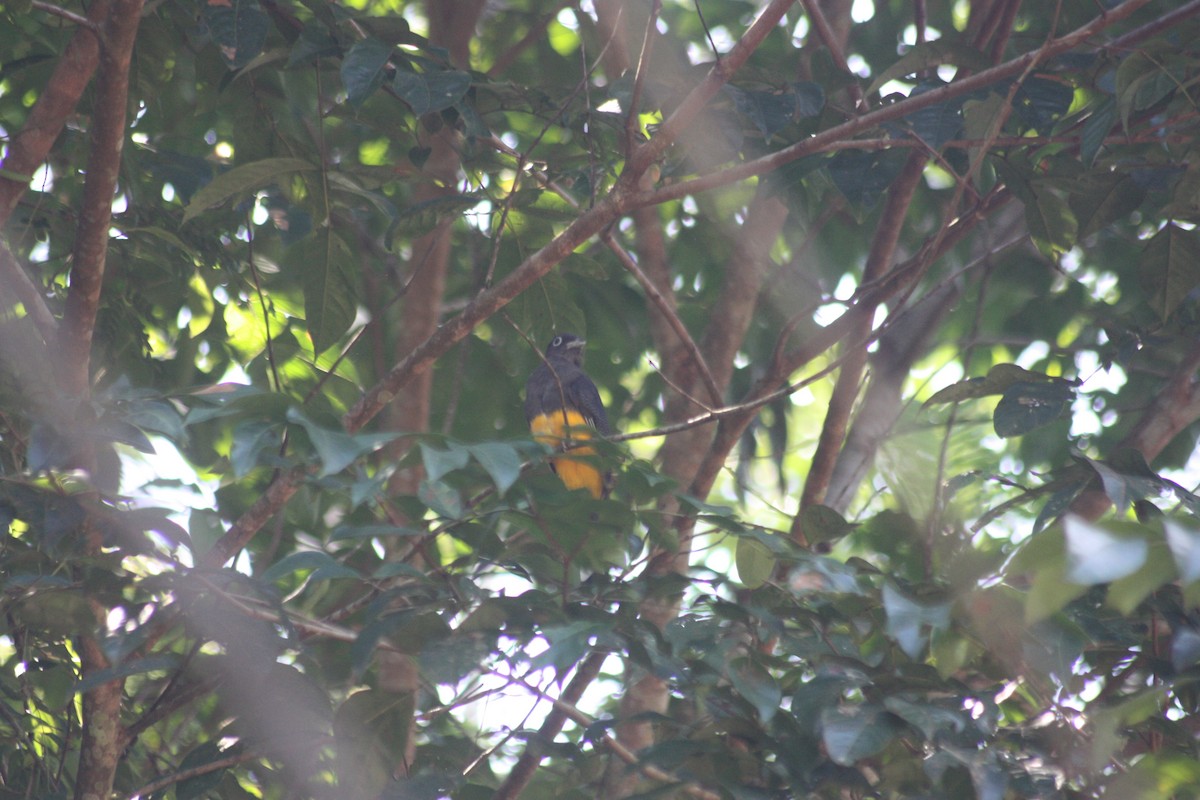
x=582 y=394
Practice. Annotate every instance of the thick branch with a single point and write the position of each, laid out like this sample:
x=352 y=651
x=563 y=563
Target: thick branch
x=28 y=148
x=527 y=764
x=837 y=419
x=95 y=214
x=16 y=287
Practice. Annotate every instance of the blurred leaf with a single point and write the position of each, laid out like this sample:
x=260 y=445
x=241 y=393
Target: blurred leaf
x=908 y=620
x=1027 y=406
x=136 y=666
x=314 y=42
x=443 y=500
x=1184 y=542
x=241 y=181
x=1097 y=127
x=239 y=29
x=755 y=563
x=1170 y=268
x=920 y=57
x=438 y=463
x=1098 y=554
x=756 y=685
x=823 y=524
x=205 y=782
x=502 y=462
x=251 y=439
x=427 y=92
x=851 y=734
x=330 y=292
x=363 y=68
x=335 y=448
x=321 y=567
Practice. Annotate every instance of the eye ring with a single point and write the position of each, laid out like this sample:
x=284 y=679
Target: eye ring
x=558 y=340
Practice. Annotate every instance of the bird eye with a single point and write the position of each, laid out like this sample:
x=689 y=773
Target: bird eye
x=557 y=341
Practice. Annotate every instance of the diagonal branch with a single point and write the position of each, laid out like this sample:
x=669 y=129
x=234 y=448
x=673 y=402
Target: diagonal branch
x=718 y=76
x=818 y=142
x=29 y=147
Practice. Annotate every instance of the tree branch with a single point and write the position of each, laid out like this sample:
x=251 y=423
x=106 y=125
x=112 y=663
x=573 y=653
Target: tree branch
x=95 y=214
x=522 y=772
x=640 y=160
x=818 y=142
x=28 y=149
x=15 y=284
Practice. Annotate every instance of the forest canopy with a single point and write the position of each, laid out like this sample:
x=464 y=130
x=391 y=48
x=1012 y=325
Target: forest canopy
x=893 y=307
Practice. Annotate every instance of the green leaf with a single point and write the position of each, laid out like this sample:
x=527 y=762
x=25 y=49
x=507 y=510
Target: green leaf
x=250 y=440
x=999 y=378
x=314 y=42
x=755 y=562
x=336 y=449
x=443 y=500
x=1027 y=406
x=238 y=28
x=1184 y=543
x=442 y=462
x=1126 y=594
x=502 y=462
x=757 y=686
x=363 y=69
x=368 y=728
x=929 y=719
x=823 y=524
x=136 y=666
x=1098 y=554
x=851 y=734
x=1170 y=268
x=330 y=293
x=908 y=620
x=322 y=565
x=863 y=176
x=925 y=55
x=1096 y=129
x=427 y=92
x=243 y=180
x=423 y=217
x=1051 y=222
x=1100 y=199
x=1141 y=81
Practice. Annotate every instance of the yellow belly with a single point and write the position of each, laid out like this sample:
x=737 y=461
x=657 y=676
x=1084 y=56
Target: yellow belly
x=572 y=467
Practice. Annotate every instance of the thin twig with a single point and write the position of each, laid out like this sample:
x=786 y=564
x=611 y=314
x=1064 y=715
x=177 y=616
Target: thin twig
x=70 y=16
x=821 y=25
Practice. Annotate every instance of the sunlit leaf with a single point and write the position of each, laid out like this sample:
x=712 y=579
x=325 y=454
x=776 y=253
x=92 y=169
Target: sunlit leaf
x=243 y=180
x=330 y=291
x=1098 y=554
x=320 y=566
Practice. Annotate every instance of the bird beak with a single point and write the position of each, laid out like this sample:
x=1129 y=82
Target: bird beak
x=577 y=344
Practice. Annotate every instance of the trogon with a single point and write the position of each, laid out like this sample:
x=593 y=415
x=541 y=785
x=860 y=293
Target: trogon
x=562 y=405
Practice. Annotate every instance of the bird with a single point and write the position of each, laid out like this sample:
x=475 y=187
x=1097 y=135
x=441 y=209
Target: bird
x=562 y=406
